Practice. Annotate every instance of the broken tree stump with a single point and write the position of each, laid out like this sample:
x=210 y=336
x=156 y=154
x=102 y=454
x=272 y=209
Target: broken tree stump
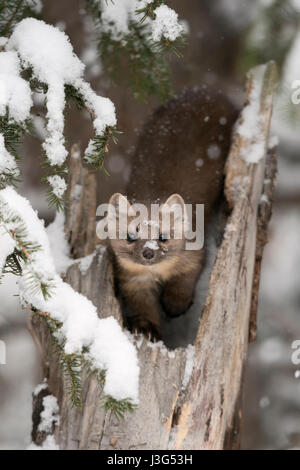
x=177 y=409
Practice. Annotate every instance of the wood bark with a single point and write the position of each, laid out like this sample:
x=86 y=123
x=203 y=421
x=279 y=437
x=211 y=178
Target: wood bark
x=206 y=413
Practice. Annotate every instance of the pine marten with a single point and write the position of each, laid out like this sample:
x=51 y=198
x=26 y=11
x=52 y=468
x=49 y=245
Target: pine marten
x=179 y=158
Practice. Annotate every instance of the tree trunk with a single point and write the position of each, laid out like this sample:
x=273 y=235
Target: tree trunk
x=205 y=412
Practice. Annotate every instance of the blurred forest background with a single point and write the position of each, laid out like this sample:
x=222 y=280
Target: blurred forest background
x=225 y=39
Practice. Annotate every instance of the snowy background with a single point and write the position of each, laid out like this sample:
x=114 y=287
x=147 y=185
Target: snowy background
x=224 y=39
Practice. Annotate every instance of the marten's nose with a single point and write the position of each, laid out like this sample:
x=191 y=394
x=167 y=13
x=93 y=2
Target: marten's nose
x=148 y=253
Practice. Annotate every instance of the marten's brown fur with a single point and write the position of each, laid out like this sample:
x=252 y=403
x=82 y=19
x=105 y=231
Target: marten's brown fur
x=182 y=150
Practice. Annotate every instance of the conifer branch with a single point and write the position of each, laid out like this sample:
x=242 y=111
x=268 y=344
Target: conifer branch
x=144 y=59
x=11 y=12
x=14 y=14
x=19 y=263
x=37 y=283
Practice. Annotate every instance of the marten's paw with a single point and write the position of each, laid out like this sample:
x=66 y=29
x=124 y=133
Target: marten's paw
x=145 y=328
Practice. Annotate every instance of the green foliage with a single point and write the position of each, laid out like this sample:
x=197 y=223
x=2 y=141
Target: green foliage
x=15 y=226
x=118 y=408
x=53 y=201
x=13 y=11
x=12 y=133
x=143 y=62
x=35 y=283
x=148 y=10
x=71 y=93
x=12 y=265
x=100 y=145
x=71 y=364
x=271 y=35
x=35 y=84
x=59 y=203
x=147 y=71
x=20 y=258
x=21 y=261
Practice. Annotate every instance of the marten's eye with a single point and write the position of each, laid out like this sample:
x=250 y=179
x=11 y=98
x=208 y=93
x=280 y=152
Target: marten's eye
x=163 y=238
x=132 y=237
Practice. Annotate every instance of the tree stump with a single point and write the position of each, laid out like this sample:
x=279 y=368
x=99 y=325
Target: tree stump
x=177 y=410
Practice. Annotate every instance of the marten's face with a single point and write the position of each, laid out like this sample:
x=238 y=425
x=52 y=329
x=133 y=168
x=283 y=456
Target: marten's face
x=148 y=244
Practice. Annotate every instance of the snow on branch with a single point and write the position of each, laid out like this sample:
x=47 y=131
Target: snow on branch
x=143 y=31
x=80 y=336
x=162 y=21
x=38 y=56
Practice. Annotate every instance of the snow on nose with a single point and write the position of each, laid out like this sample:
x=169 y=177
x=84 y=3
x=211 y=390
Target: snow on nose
x=152 y=244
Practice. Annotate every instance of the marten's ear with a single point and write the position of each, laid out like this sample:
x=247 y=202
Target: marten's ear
x=175 y=204
x=175 y=199
x=118 y=205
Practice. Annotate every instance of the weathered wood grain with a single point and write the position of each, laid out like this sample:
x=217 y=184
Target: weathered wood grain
x=264 y=216
x=81 y=210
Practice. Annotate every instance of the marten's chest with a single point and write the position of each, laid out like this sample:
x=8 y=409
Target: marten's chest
x=147 y=281
x=140 y=277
